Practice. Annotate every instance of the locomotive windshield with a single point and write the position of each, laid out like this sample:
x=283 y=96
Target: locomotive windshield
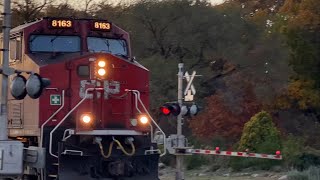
x=113 y=46
x=53 y=43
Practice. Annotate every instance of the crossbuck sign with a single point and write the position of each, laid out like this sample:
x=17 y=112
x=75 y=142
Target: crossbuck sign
x=190 y=91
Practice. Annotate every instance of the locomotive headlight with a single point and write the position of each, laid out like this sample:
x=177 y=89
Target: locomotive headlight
x=86 y=118
x=143 y=119
x=100 y=69
x=102 y=72
x=85 y=122
x=102 y=64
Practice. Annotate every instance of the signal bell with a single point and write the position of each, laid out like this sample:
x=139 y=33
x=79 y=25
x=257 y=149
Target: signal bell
x=170 y=108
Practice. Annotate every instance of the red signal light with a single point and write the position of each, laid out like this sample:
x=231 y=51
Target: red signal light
x=165 y=110
x=278 y=153
x=170 y=108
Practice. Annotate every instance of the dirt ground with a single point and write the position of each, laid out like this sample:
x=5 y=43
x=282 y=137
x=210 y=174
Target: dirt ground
x=169 y=174
x=219 y=178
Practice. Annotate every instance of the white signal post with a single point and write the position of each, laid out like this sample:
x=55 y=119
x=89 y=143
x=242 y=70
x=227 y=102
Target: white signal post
x=11 y=156
x=180 y=143
x=189 y=92
x=5 y=67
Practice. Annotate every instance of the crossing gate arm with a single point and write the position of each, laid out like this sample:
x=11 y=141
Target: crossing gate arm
x=276 y=156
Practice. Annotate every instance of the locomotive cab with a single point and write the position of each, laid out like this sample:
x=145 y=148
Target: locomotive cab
x=93 y=119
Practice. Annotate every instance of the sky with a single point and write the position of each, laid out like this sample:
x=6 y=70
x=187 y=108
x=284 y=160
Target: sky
x=82 y=2
x=216 y=1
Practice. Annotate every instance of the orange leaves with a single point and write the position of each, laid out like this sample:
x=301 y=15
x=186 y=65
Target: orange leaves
x=300 y=94
x=216 y=119
x=289 y=7
x=304 y=14
x=225 y=115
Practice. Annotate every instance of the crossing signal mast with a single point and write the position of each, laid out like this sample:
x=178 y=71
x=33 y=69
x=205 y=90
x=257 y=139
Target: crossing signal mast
x=11 y=152
x=180 y=109
x=185 y=106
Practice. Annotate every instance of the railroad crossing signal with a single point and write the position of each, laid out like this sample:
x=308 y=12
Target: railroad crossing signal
x=34 y=86
x=175 y=109
x=170 y=108
x=55 y=99
x=189 y=110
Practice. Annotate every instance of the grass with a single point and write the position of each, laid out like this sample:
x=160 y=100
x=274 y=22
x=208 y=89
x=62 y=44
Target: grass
x=313 y=173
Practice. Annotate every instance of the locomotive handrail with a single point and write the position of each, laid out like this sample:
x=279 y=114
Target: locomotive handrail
x=65 y=117
x=65 y=137
x=136 y=104
x=154 y=122
x=47 y=121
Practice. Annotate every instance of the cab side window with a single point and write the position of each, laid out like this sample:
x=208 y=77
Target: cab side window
x=84 y=71
x=15 y=49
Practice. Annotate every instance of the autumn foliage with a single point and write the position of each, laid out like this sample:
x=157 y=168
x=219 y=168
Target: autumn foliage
x=300 y=94
x=222 y=119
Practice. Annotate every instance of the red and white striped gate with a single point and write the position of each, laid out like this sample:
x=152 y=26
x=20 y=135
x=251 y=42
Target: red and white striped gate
x=276 y=156
x=172 y=148
x=189 y=151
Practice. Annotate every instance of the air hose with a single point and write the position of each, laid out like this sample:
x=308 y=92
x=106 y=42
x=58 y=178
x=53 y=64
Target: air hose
x=106 y=156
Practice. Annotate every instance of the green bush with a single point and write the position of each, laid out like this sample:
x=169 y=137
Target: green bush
x=313 y=173
x=297 y=175
x=196 y=161
x=260 y=136
x=258 y=132
x=168 y=160
x=297 y=156
x=292 y=151
x=307 y=160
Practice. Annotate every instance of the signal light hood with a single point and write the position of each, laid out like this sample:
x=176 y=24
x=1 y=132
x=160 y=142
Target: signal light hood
x=17 y=88
x=35 y=85
x=20 y=87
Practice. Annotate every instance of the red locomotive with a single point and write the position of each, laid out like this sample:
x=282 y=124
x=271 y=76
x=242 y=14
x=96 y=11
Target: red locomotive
x=92 y=120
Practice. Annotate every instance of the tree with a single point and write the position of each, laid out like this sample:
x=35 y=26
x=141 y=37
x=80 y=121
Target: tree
x=261 y=136
x=226 y=111
x=260 y=133
x=27 y=10
x=302 y=31
x=55 y=11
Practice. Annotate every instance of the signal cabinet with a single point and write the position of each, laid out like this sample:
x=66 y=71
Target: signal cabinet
x=11 y=157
